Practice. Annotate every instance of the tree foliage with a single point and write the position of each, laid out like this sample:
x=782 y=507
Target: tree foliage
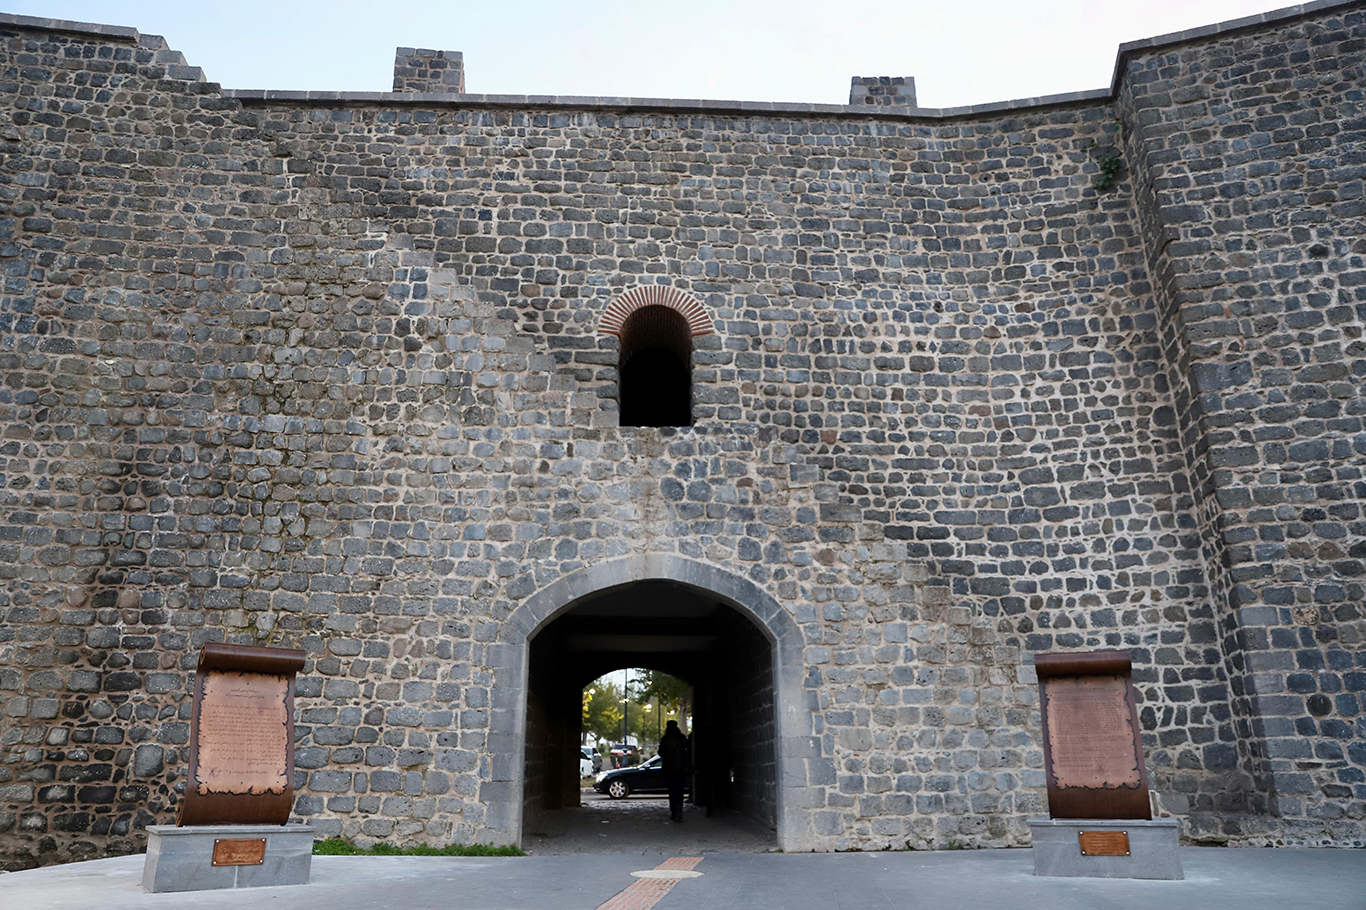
x=602 y=709
x=654 y=697
x=670 y=691
x=671 y=696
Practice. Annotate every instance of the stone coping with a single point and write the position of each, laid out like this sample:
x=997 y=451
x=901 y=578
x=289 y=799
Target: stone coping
x=654 y=105
x=1101 y=822
x=427 y=52
x=67 y=25
x=708 y=106
x=237 y=830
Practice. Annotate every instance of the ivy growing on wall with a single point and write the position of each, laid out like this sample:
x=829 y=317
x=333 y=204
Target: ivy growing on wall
x=1110 y=161
x=1110 y=164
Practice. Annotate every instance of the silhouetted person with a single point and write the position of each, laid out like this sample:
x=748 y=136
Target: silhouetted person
x=673 y=755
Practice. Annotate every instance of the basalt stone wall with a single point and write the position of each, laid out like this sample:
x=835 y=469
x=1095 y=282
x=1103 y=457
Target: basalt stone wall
x=324 y=372
x=746 y=690
x=1251 y=154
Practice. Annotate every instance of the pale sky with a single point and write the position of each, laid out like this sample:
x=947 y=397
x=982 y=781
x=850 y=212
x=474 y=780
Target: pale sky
x=786 y=50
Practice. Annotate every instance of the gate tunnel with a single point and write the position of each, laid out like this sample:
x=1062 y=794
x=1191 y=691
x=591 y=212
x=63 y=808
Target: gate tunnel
x=680 y=630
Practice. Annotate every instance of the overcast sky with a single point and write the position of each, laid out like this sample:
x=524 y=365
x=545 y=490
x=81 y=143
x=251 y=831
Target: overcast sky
x=793 y=50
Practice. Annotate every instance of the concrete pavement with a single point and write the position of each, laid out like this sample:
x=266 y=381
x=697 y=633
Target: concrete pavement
x=1216 y=879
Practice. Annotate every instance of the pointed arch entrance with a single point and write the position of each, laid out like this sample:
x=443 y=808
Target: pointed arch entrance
x=642 y=580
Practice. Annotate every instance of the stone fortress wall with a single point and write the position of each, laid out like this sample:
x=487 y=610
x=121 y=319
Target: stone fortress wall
x=322 y=370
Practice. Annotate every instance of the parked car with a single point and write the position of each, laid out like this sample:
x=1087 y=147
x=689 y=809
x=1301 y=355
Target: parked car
x=624 y=755
x=620 y=783
x=594 y=758
x=585 y=762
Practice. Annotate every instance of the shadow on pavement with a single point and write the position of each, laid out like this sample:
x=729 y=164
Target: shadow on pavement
x=640 y=825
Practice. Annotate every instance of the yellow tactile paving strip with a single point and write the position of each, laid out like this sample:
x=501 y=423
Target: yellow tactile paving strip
x=644 y=893
x=686 y=863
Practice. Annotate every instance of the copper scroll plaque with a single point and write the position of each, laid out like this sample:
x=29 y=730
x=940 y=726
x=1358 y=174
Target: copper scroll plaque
x=1093 y=758
x=1092 y=738
x=243 y=735
x=241 y=765
x=239 y=851
x=1104 y=843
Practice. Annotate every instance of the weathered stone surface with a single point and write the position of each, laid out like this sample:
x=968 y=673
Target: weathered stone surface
x=324 y=372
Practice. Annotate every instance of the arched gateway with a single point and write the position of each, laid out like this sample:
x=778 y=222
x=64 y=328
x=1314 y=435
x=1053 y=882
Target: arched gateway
x=502 y=793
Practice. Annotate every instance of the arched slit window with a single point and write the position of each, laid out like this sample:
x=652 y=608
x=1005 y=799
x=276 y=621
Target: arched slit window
x=655 y=368
x=655 y=325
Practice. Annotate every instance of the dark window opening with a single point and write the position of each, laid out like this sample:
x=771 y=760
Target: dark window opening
x=655 y=369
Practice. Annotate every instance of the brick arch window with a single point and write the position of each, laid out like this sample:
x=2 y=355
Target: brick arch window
x=656 y=326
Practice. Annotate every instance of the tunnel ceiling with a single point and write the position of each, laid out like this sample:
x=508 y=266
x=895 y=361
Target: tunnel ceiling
x=656 y=643
x=652 y=599
x=656 y=624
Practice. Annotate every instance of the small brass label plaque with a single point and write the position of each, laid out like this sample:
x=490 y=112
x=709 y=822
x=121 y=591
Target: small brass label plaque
x=239 y=851
x=1104 y=843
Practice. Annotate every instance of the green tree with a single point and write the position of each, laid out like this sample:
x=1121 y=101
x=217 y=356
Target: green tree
x=672 y=695
x=654 y=698
x=602 y=709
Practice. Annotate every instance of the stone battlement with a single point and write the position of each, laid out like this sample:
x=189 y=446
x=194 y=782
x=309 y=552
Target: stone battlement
x=884 y=91
x=421 y=70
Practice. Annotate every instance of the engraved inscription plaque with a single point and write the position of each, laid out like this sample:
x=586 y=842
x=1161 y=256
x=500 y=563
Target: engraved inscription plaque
x=1104 y=843
x=243 y=734
x=239 y=851
x=1092 y=737
x=241 y=763
x=1093 y=761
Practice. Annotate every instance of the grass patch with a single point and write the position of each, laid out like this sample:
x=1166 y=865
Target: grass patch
x=339 y=846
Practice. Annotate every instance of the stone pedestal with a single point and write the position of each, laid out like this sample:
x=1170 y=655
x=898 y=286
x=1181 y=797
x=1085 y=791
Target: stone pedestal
x=1153 y=848
x=182 y=859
